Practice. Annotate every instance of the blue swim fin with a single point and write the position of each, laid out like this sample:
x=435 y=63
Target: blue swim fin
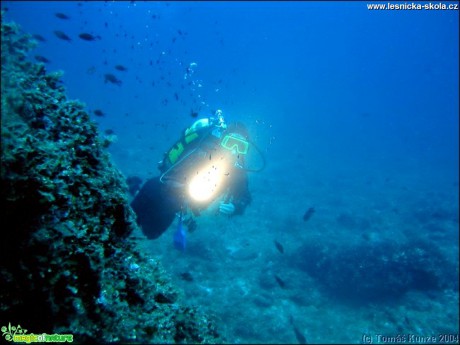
x=179 y=235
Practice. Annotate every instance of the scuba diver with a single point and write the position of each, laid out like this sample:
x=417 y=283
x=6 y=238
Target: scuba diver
x=207 y=162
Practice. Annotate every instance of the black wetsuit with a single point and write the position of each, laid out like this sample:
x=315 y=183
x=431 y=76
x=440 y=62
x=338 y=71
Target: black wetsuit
x=157 y=203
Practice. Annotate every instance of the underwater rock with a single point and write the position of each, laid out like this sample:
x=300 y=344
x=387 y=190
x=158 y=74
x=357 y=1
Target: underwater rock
x=382 y=271
x=69 y=264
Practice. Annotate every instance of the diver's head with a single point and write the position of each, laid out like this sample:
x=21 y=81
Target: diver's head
x=235 y=139
x=238 y=128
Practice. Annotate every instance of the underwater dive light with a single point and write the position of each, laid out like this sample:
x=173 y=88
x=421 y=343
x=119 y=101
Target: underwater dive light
x=208 y=181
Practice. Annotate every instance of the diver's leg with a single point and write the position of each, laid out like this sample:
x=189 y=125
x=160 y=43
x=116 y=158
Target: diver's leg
x=155 y=209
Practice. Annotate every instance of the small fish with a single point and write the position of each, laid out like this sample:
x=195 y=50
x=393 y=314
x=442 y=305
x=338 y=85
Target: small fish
x=308 y=214
x=176 y=96
x=299 y=336
x=39 y=37
x=40 y=58
x=121 y=68
x=109 y=131
x=62 y=16
x=193 y=113
x=280 y=282
x=179 y=236
x=186 y=276
x=62 y=36
x=278 y=246
x=110 y=78
x=88 y=37
x=98 y=112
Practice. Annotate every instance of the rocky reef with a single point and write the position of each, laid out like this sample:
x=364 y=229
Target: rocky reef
x=68 y=262
x=377 y=272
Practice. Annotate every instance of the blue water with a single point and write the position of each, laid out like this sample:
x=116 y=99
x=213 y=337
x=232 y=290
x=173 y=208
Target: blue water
x=355 y=110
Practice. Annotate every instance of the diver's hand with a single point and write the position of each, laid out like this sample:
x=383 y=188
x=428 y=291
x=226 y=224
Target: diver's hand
x=227 y=208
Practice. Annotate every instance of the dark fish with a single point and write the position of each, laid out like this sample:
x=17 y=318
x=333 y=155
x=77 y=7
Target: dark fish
x=280 y=282
x=299 y=336
x=121 y=68
x=278 y=246
x=110 y=78
x=308 y=214
x=193 y=113
x=40 y=58
x=98 y=112
x=108 y=132
x=39 y=38
x=176 y=96
x=186 y=276
x=88 y=37
x=62 y=36
x=61 y=16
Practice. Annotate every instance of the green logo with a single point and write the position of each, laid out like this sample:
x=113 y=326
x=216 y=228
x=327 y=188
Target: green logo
x=18 y=335
x=10 y=331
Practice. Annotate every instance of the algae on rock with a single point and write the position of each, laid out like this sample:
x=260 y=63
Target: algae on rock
x=68 y=262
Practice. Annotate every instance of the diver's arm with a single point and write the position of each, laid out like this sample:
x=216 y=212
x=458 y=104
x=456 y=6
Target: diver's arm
x=239 y=196
x=243 y=199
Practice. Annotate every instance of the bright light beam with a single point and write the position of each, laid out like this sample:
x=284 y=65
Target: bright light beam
x=207 y=182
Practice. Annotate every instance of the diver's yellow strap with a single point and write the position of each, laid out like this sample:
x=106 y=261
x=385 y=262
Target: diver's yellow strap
x=189 y=138
x=175 y=152
x=190 y=135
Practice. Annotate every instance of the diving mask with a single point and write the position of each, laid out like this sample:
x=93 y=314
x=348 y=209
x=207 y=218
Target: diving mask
x=235 y=143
